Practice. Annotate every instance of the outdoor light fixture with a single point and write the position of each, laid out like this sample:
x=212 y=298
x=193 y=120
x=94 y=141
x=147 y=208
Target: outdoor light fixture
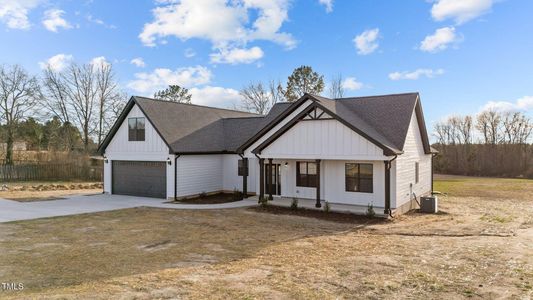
x=105 y=159
x=286 y=164
x=169 y=161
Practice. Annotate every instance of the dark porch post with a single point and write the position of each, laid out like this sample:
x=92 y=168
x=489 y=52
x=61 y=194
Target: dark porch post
x=387 y=187
x=245 y=178
x=269 y=179
x=318 y=204
x=261 y=179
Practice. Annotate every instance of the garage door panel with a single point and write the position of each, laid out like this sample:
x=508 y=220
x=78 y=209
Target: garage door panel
x=139 y=178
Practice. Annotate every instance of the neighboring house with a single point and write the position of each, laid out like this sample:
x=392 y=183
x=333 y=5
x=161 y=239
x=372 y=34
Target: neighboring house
x=352 y=151
x=17 y=146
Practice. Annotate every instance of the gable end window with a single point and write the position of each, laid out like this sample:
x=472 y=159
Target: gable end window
x=242 y=168
x=359 y=178
x=306 y=174
x=417 y=172
x=135 y=129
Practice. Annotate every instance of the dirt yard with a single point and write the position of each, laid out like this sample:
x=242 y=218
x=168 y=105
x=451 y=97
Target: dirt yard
x=479 y=246
x=42 y=191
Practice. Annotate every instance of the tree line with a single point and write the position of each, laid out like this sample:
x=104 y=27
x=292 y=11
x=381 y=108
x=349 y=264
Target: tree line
x=492 y=143
x=80 y=102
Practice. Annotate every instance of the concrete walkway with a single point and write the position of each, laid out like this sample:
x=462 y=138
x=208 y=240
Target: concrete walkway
x=80 y=204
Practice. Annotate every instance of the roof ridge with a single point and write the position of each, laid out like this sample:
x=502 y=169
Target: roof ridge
x=197 y=105
x=375 y=96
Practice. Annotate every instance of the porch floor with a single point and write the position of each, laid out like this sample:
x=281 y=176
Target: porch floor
x=334 y=207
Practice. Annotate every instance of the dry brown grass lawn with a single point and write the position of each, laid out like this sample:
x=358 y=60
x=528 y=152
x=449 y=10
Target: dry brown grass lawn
x=480 y=245
x=28 y=196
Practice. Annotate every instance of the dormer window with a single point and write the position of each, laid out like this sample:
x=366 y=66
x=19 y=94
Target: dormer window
x=135 y=129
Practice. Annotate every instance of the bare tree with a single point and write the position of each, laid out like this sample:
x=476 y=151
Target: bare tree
x=488 y=123
x=257 y=98
x=56 y=102
x=108 y=95
x=82 y=90
x=336 y=89
x=276 y=92
x=19 y=93
x=465 y=129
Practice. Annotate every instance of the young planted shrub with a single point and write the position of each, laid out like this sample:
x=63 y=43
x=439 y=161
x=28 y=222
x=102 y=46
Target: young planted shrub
x=370 y=210
x=202 y=195
x=327 y=207
x=237 y=195
x=294 y=204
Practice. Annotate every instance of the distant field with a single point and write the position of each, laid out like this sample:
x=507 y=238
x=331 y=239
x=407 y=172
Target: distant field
x=479 y=245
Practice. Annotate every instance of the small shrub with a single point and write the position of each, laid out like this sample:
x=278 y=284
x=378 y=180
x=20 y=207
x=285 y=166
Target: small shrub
x=370 y=210
x=202 y=195
x=263 y=201
x=237 y=195
x=294 y=204
x=327 y=207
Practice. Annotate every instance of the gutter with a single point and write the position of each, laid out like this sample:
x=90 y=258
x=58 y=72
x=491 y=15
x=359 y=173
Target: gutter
x=388 y=166
x=176 y=177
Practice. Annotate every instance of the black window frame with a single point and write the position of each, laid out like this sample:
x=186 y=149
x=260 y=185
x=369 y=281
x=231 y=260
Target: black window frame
x=242 y=170
x=137 y=134
x=356 y=179
x=306 y=179
x=417 y=172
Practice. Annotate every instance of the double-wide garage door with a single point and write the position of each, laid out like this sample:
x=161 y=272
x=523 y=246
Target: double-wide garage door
x=139 y=178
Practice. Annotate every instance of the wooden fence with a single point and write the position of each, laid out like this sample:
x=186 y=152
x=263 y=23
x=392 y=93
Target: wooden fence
x=51 y=172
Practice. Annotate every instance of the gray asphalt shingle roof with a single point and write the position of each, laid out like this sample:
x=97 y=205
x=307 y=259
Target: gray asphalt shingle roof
x=191 y=128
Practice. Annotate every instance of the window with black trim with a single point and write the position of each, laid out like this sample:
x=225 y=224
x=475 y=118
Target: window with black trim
x=417 y=172
x=359 y=178
x=135 y=129
x=242 y=168
x=306 y=174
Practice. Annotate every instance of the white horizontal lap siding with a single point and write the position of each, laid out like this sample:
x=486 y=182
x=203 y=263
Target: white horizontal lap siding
x=198 y=174
x=153 y=148
x=405 y=167
x=322 y=139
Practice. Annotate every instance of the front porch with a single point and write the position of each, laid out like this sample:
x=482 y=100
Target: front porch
x=315 y=181
x=334 y=207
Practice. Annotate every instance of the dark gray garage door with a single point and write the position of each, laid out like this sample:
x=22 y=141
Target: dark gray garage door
x=140 y=178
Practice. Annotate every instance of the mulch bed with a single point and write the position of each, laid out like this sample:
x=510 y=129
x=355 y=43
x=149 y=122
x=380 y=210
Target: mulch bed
x=318 y=214
x=210 y=199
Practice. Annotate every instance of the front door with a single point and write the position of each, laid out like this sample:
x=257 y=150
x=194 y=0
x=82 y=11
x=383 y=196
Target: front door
x=276 y=180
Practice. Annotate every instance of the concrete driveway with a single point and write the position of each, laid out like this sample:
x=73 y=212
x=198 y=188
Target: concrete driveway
x=80 y=204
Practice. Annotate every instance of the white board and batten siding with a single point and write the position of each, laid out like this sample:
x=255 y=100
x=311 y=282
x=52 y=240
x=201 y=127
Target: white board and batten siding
x=404 y=168
x=153 y=148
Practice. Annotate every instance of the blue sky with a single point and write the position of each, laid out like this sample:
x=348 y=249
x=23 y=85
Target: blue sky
x=461 y=55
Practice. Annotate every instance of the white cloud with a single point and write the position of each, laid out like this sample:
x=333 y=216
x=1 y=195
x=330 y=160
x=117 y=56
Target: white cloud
x=523 y=104
x=215 y=96
x=14 y=13
x=352 y=84
x=57 y=62
x=226 y=24
x=328 y=4
x=189 y=52
x=237 y=56
x=53 y=19
x=138 y=62
x=366 y=42
x=148 y=83
x=460 y=10
x=440 y=40
x=429 y=73
x=99 y=61
x=100 y=22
